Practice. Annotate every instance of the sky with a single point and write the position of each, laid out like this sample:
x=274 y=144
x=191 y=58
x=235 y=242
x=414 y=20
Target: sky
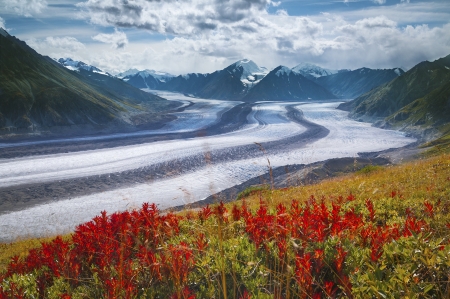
x=184 y=36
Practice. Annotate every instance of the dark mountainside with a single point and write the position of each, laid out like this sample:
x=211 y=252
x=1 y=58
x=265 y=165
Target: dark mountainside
x=417 y=102
x=224 y=84
x=282 y=84
x=38 y=96
x=351 y=84
x=142 y=80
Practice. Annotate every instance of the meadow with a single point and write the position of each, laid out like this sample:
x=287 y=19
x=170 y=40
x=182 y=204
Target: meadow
x=382 y=232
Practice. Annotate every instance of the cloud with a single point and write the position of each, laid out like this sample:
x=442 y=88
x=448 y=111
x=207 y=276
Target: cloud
x=2 y=23
x=206 y=35
x=188 y=17
x=379 y=1
x=23 y=7
x=66 y=44
x=118 y=39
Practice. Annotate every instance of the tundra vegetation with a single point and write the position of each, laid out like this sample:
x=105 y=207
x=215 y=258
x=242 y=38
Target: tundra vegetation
x=379 y=233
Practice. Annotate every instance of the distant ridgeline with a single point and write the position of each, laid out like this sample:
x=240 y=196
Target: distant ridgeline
x=417 y=101
x=245 y=81
x=40 y=96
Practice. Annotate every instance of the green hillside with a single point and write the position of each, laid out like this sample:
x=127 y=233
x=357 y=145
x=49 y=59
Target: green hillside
x=38 y=94
x=417 y=102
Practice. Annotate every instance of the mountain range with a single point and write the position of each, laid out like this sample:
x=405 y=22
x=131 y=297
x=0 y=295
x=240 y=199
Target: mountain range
x=244 y=80
x=40 y=96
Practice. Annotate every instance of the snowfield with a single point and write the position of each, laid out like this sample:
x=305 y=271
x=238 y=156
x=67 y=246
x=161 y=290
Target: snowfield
x=267 y=122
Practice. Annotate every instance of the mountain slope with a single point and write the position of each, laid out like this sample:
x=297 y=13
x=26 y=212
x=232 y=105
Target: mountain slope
x=38 y=94
x=417 y=102
x=231 y=83
x=75 y=65
x=351 y=84
x=312 y=71
x=390 y=97
x=428 y=116
x=283 y=84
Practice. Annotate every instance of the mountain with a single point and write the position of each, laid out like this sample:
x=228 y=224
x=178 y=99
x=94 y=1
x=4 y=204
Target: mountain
x=417 y=101
x=351 y=84
x=312 y=71
x=250 y=73
x=245 y=80
x=428 y=116
x=284 y=84
x=74 y=65
x=40 y=96
x=146 y=79
x=130 y=72
x=231 y=83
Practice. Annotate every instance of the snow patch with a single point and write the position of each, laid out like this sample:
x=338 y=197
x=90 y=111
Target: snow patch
x=249 y=69
x=283 y=71
x=313 y=70
x=130 y=72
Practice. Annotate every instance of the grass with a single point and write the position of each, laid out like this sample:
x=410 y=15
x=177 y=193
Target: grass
x=394 y=241
x=19 y=248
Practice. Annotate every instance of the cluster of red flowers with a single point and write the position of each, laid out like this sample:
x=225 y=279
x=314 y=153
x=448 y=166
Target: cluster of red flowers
x=129 y=254
x=123 y=251
x=307 y=230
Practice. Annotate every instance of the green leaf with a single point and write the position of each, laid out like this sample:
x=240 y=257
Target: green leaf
x=428 y=288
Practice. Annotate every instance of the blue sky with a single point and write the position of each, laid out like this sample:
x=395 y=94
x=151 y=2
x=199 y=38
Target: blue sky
x=181 y=36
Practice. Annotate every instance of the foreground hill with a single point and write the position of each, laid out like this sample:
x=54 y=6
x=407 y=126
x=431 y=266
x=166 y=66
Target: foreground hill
x=417 y=101
x=40 y=96
x=382 y=232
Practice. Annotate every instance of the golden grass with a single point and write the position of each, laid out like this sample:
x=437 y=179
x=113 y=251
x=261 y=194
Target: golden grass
x=413 y=182
x=19 y=248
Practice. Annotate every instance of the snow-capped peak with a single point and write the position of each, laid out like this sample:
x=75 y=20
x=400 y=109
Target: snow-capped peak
x=75 y=65
x=130 y=72
x=313 y=70
x=283 y=71
x=248 y=65
x=161 y=76
x=251 y=72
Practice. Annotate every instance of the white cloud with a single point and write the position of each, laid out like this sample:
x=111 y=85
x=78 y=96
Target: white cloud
x=118 y=39
x=23 y=7
x=206 y=35
x=271 y=40
x=2 y=23
x=379 y=1
x=188 y=17
x=66 y=43
x=58 y=47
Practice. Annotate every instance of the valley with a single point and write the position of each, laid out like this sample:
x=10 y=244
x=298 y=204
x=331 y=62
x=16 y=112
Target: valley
x=204 y=151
